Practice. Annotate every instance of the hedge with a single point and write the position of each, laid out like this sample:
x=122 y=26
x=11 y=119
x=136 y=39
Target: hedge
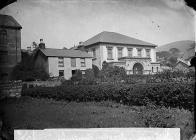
x=163 y=94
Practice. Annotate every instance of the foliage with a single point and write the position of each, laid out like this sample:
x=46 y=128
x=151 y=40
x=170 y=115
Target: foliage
x=96 y=71
x=112 y=73
x=163 y=94
x=154 y=116
x=25 y=70
x=88 y=78
x=77 y=76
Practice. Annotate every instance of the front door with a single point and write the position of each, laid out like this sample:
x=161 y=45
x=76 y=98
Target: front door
x=137 y=68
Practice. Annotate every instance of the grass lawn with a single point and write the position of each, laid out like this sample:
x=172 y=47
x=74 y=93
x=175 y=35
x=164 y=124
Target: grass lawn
x=32 y=113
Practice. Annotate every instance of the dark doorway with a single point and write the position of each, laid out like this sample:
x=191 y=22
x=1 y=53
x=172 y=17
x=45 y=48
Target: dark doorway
x=61 y=73
x=138 y=68
x=73 y=72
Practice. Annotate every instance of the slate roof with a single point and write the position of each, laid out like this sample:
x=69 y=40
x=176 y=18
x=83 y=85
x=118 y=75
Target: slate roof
x=49 y=52
x=116 y=38
x=9 y=21
x=184 y=63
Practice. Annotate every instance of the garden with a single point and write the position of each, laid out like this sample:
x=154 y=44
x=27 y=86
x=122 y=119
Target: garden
x=108 y=98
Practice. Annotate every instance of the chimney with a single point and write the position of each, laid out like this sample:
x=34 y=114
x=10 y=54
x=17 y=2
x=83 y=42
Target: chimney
x=41 y=44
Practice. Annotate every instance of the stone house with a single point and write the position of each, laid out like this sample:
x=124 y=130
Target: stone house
x=136 y=56
x=10 y=45
x=60 y=62
x=183 y=66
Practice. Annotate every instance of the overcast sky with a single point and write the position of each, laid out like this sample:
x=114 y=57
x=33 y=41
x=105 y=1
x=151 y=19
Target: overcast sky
x=63 y=23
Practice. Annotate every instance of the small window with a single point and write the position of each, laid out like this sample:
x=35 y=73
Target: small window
x=82 y=60
x=152 y=69
x=94 y=52
x=73 y=62
x=110 y=55
x=130 y=51
x=3 y=37
x=147 y=52
x=61 y=62
x=139 y=52
x=157 y=69
x=61 y=73
x=83 y=72
x=119 y=52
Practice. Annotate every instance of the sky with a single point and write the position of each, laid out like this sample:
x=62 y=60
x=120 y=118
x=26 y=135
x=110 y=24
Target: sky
x=64 y=23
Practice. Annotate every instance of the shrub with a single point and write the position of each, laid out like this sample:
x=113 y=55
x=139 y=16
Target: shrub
x=96 y=71
x=164 y=94
x=77 y=76
x=88 y=78
x=158 y=117
x=112 y=73
x=26 y=71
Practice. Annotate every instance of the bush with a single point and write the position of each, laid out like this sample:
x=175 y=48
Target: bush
x=112 y=73
x=158 y=117
x=77 y=76
x=164 y=94
x=26 y=71
x=96 y=71
x=88 y=78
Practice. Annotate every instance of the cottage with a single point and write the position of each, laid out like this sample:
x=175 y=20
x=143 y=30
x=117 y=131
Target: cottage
x=10 y=45
x=183 y=66
x=60 y=62
x=136 y=56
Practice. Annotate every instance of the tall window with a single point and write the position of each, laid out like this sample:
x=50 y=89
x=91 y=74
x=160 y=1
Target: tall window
x=82 y=60
x=119 y=52
x=61 y=72
x=94 y=52
x=147 y=52
x=61 y=62
x=139 y=52
x=3 y=37
x=110 y=55
x=73 y=62
x=157 y=69
x=3 y=57
x=152 y=69
x=130 y=51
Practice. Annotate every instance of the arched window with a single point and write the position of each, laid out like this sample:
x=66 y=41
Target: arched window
x=3 y=37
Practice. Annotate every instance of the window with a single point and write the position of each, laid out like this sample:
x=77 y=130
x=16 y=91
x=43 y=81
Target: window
x=119 y=52
x=130 y=50
x=83 y=72
x=147 y=52
x=139 y=52
x=3 y=37
x=73 y=62
x=94 y=52
x=3 y=57
x=157 y=69
x=109 y=50
x=61 y=72
x=61 y=62
x=82 y=60
x=152 y=69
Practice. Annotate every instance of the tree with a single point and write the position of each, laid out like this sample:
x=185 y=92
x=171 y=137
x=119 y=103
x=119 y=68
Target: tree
x=172 y=60
x=25 y=70
x=96 y=71
x=77 y=76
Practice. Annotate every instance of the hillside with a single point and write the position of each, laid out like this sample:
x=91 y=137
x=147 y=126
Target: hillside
x=169 y=53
